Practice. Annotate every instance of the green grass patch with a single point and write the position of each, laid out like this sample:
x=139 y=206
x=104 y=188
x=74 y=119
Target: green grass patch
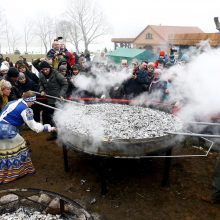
x=29 y=57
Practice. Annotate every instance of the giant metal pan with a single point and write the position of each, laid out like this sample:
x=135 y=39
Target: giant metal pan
x=127 y=148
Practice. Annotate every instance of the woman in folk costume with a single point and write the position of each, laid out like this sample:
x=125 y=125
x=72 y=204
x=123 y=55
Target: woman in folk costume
x=15 y=160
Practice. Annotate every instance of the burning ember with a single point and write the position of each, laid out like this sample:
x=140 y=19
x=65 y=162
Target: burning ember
x=115 y=121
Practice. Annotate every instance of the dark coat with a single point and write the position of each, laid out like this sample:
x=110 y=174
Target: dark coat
x=132 y=88
x=158 y=89
x=15 y=94
x=32 y=76
x=28 y=85
x=55 y=85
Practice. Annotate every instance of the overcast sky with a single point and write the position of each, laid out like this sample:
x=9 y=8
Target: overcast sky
x=126 y=18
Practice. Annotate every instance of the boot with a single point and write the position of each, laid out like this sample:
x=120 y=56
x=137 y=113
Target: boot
x=52 y=137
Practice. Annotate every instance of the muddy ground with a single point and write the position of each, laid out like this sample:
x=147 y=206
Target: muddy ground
x=134 y=186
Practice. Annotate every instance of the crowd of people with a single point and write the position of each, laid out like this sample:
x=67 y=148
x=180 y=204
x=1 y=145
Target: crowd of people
x=20 y=88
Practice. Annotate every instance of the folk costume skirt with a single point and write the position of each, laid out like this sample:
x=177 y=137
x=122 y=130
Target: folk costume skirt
x=15 y=160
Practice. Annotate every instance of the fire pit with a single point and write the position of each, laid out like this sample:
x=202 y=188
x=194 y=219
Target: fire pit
x=39 y=204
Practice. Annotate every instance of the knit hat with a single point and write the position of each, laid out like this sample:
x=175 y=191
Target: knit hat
x=162 y=53
x=44 y=64
x=150 y=64
x=21 y=76
x=158 y=71
x=62 y=67
x=185 y=58
x=134 y=61
x=75 y=67
x=12 y=72
x=6 y=63
x=19 y=64
x=3 y=67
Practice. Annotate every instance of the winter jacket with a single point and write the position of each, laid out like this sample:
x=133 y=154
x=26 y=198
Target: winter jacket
x=55 y=85
x=28 y=85
x=15 y=94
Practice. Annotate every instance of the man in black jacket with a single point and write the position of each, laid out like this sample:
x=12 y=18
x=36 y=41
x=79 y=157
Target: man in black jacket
x=52 y=83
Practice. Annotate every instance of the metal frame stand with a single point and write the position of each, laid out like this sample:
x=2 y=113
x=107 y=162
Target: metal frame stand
x=65 y=158
x=103 y=169
x=167 y=166
x=103 y=174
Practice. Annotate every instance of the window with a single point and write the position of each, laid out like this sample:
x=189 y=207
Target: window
x=149 y=36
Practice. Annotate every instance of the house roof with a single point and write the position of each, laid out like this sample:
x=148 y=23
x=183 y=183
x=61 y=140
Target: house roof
x=122 y=40
x=166 y=31
x=126 y=52
x=193 y=39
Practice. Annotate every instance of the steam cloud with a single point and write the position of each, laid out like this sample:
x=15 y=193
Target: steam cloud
x=102 y=82
x=195 y=86
x=198 y=84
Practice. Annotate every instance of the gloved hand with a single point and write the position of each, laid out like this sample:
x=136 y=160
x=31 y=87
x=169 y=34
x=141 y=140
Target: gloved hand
x=47 y=127
x=52 y=129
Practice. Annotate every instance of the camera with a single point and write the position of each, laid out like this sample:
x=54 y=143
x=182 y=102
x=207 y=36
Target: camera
x=58 y=38
x=173 y=50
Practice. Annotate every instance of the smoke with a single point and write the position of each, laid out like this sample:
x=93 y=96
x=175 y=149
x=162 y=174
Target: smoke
x=195 y=89
x=195 y=85
x=73 y=120
x=108 y=127
x=100 y=80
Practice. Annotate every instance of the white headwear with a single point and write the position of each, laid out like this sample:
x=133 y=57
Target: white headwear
x=6 y=63
x=3 y=67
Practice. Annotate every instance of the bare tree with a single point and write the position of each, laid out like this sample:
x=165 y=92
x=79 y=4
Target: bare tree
x=75 y=37
x=88 y=19
x=7 y=35
x=70 y=33
x=2 y=22
x=44 y=31
x=63 y=29
x=28 y=34
x=51 y=30
x=14 y=39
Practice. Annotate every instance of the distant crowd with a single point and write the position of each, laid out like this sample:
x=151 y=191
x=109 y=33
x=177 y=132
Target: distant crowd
x=58 y=70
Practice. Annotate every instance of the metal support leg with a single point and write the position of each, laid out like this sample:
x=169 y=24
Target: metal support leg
x=65 y=158
x=103 y=175
x=61 y=207
x=167 y=165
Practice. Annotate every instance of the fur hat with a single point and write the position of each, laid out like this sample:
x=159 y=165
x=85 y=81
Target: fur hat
x=12 y=72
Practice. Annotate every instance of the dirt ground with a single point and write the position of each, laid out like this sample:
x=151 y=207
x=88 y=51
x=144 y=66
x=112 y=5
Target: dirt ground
x=134 y=186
